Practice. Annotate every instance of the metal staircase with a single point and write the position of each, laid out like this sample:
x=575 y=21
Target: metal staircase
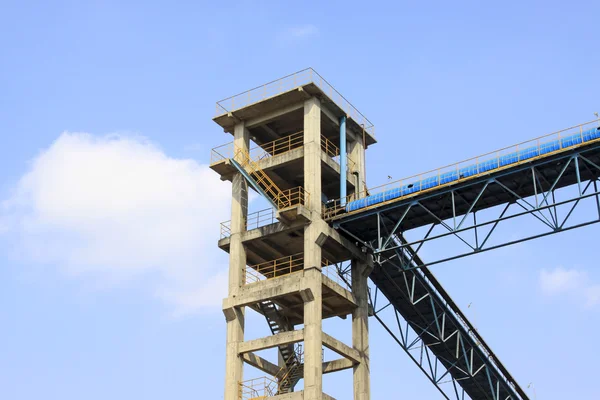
x=259 y=179
x=293 y=370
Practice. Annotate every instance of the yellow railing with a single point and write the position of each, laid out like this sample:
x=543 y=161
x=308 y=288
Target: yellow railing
x=282 y=198
x=260 y=152
x=257 y=388
x=262 y=179
x=278 y=146
x=275 y=268
x=288 y=83
x=508 y=157
x=292 y=197
x=287 y=265
x=333 y=151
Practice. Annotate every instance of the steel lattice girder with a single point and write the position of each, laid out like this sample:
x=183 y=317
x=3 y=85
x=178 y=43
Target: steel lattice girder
x=464 y=212
x=399 y=271
x=436 y=335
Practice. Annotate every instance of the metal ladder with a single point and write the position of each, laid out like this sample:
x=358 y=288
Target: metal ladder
x=262 y=180
x=294 y=369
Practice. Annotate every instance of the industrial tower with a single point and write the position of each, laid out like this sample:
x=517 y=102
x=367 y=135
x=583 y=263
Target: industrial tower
x=299 y=144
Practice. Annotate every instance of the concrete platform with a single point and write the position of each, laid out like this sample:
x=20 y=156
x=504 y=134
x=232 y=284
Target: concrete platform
x=278 y=240
x=284 y=170
x=337 y=301
x=279 y=115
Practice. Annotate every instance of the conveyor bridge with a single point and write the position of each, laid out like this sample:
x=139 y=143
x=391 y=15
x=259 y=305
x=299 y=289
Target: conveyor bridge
x=539 y=181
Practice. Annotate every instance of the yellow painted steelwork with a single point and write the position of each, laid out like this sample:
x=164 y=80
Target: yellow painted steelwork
x=278 y=147
x=286 y=374
x=257 y=388
x=333 y=151
x=275 y=268
x=288 y=265
x=281 y=198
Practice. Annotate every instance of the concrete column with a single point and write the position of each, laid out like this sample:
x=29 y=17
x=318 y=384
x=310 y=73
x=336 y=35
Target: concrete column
x=237 y=262
x=357 y=153
x=360 y=329
x=239 y=206
x=313 y=337
x=313 y=367
x=312 y=152
x=312 y=179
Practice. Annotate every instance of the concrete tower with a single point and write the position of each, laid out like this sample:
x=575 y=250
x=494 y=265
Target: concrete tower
x=300 y=145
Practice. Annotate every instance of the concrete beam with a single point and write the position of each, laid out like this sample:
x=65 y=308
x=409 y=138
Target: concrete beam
x=289 y=337
x=267 y=230
x=298 y=396
x=271 y=132
x=268 y=289
x=330 y=116
x=268 y=163
x=289 y=396
x=337 y=365
x=340 y=348
x=339 y=290
x=336 y=121
x=268 y=117
x=341 y=240
x=336 y=167
x=262 y=364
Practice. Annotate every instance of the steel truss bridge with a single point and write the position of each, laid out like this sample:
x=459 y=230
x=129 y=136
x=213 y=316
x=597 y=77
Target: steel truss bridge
x=550 y=192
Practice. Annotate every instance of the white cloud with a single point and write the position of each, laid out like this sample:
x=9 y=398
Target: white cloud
x=299 y=32
x=570 y=282
x=118 y=209
x=561 y=280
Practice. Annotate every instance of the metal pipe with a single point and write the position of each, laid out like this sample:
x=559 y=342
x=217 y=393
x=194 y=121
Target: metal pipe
x=343 y=161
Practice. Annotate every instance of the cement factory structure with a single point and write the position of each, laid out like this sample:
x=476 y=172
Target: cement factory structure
x=301 y=145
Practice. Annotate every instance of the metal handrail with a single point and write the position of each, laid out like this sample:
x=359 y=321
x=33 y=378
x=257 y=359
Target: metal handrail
x=333 y=151
x=262 y=179
x=287 y=265
x=221 y=152
x=257 y=388
x=253 y=221
x=287 y=83
x=278 y=147
x=285 y=372
x=275 y=268
x=292 y=197
x=476 y=166
x=329 y=270
x=225 y=229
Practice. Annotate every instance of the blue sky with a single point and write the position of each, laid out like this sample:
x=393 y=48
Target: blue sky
x=110 y=278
